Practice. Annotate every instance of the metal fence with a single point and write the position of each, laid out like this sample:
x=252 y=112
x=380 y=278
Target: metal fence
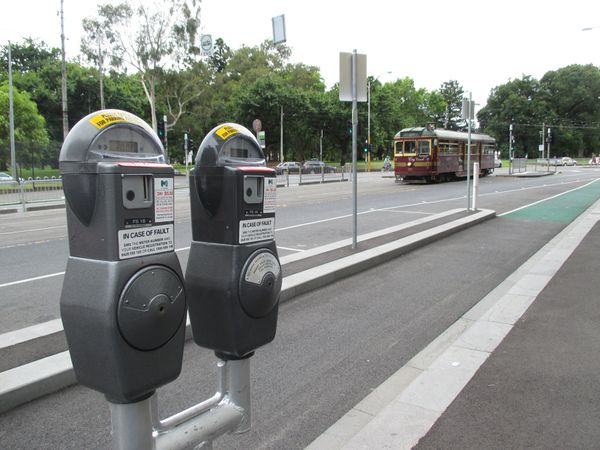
x=31 y=192
x=295 y=179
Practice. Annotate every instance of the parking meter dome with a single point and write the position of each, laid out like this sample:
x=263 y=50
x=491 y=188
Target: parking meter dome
x=229 y=144
x=109 y=134
x=226 y=145
x=103 y=136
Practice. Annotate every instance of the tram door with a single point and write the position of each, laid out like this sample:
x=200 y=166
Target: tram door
x=462 y=157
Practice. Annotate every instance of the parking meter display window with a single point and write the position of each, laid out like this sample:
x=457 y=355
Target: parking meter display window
x=124 y=143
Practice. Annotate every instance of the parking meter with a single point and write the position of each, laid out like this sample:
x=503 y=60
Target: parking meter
x=123 y=300
x=233 y=276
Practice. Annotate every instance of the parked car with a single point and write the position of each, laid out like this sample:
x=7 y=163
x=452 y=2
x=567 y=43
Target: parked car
x=497 y=163
x=289 y=166
x=6 y=178
x=314 y=166
x=566 y=161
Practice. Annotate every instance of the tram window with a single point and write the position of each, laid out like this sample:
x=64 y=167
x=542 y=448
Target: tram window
x=398 y=148
x=424 y=148
x=406 y=147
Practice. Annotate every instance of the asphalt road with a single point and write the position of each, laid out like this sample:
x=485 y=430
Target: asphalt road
x=34 y=250
x=336 y=344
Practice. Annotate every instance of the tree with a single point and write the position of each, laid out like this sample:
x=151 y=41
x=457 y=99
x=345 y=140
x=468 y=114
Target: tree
x=574 y=95
x=516 y=102
x=567 y=100
x=36 y=70
x=29 y=124
x=452 y=94
x=220 y=57
x=147 y=38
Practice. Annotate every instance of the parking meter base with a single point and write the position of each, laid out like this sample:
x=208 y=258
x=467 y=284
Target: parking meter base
x=222 y=317
x=100 y=340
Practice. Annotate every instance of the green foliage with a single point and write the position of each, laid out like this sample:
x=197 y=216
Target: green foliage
x=29 y=125
x=451 y=93
x=240 y=85
x=566 y=100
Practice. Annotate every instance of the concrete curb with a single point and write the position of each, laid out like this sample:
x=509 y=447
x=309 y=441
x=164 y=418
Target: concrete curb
x=50 y=374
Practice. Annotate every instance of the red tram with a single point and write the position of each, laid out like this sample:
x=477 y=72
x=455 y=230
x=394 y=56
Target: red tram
x=432 y=155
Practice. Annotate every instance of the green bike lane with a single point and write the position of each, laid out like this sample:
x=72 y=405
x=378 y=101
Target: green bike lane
x=561 y=208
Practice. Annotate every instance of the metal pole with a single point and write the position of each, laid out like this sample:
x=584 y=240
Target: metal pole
x=510 y=130
x=166 y=138
x=65 y=113
x=101 y=69
x=475 y=186
x=369 y=124
x=11 y=119
x=281 y=136
x=549 y=141
x=469 y=112
x=354 y=171
x=185 y=151
x=132 y=425
x=544 y=147
x=321 y=146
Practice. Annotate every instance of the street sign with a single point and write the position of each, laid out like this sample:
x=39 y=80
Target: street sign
x=257 y=125
x=346 y=77
x=278 y=29
x=206 y=45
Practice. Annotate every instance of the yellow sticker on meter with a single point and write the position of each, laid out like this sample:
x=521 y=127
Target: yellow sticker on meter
x=104 y=119
x=108 y=117
x=225 y=131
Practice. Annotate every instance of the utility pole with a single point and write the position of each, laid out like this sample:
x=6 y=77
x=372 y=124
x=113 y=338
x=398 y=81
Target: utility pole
x=354 y=172
x=467 y=113
x=281 y=136
x=510 y=146
x=368 y=125
x=549 y=140
x=11 y=118
x=166 y=140
x=321 y=146
x=544 y=147
x=65 y=113
x=101 y=69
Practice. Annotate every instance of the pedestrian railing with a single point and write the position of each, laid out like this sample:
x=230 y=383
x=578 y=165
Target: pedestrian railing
x=312 y=177
x=30 y=192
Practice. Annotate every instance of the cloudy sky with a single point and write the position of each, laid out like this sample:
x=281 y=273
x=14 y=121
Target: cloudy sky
x=479 y=43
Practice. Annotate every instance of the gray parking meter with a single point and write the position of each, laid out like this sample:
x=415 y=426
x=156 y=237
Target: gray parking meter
x=233 y=276
x=123 y=300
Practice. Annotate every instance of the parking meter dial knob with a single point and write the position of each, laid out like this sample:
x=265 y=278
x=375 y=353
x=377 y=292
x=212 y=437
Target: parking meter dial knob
x=260 y=284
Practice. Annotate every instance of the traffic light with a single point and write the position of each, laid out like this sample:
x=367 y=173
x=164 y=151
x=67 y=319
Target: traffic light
x=349 y=127
x=160 y=129
x=366 y=148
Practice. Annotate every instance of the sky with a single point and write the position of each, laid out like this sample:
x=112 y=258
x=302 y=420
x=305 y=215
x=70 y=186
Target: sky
x=481 y=44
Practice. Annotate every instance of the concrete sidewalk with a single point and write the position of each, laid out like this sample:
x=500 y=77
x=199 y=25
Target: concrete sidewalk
x=521 y=369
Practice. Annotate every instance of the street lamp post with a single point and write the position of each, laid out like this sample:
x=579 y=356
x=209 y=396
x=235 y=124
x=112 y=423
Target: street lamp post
x=369 y=118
